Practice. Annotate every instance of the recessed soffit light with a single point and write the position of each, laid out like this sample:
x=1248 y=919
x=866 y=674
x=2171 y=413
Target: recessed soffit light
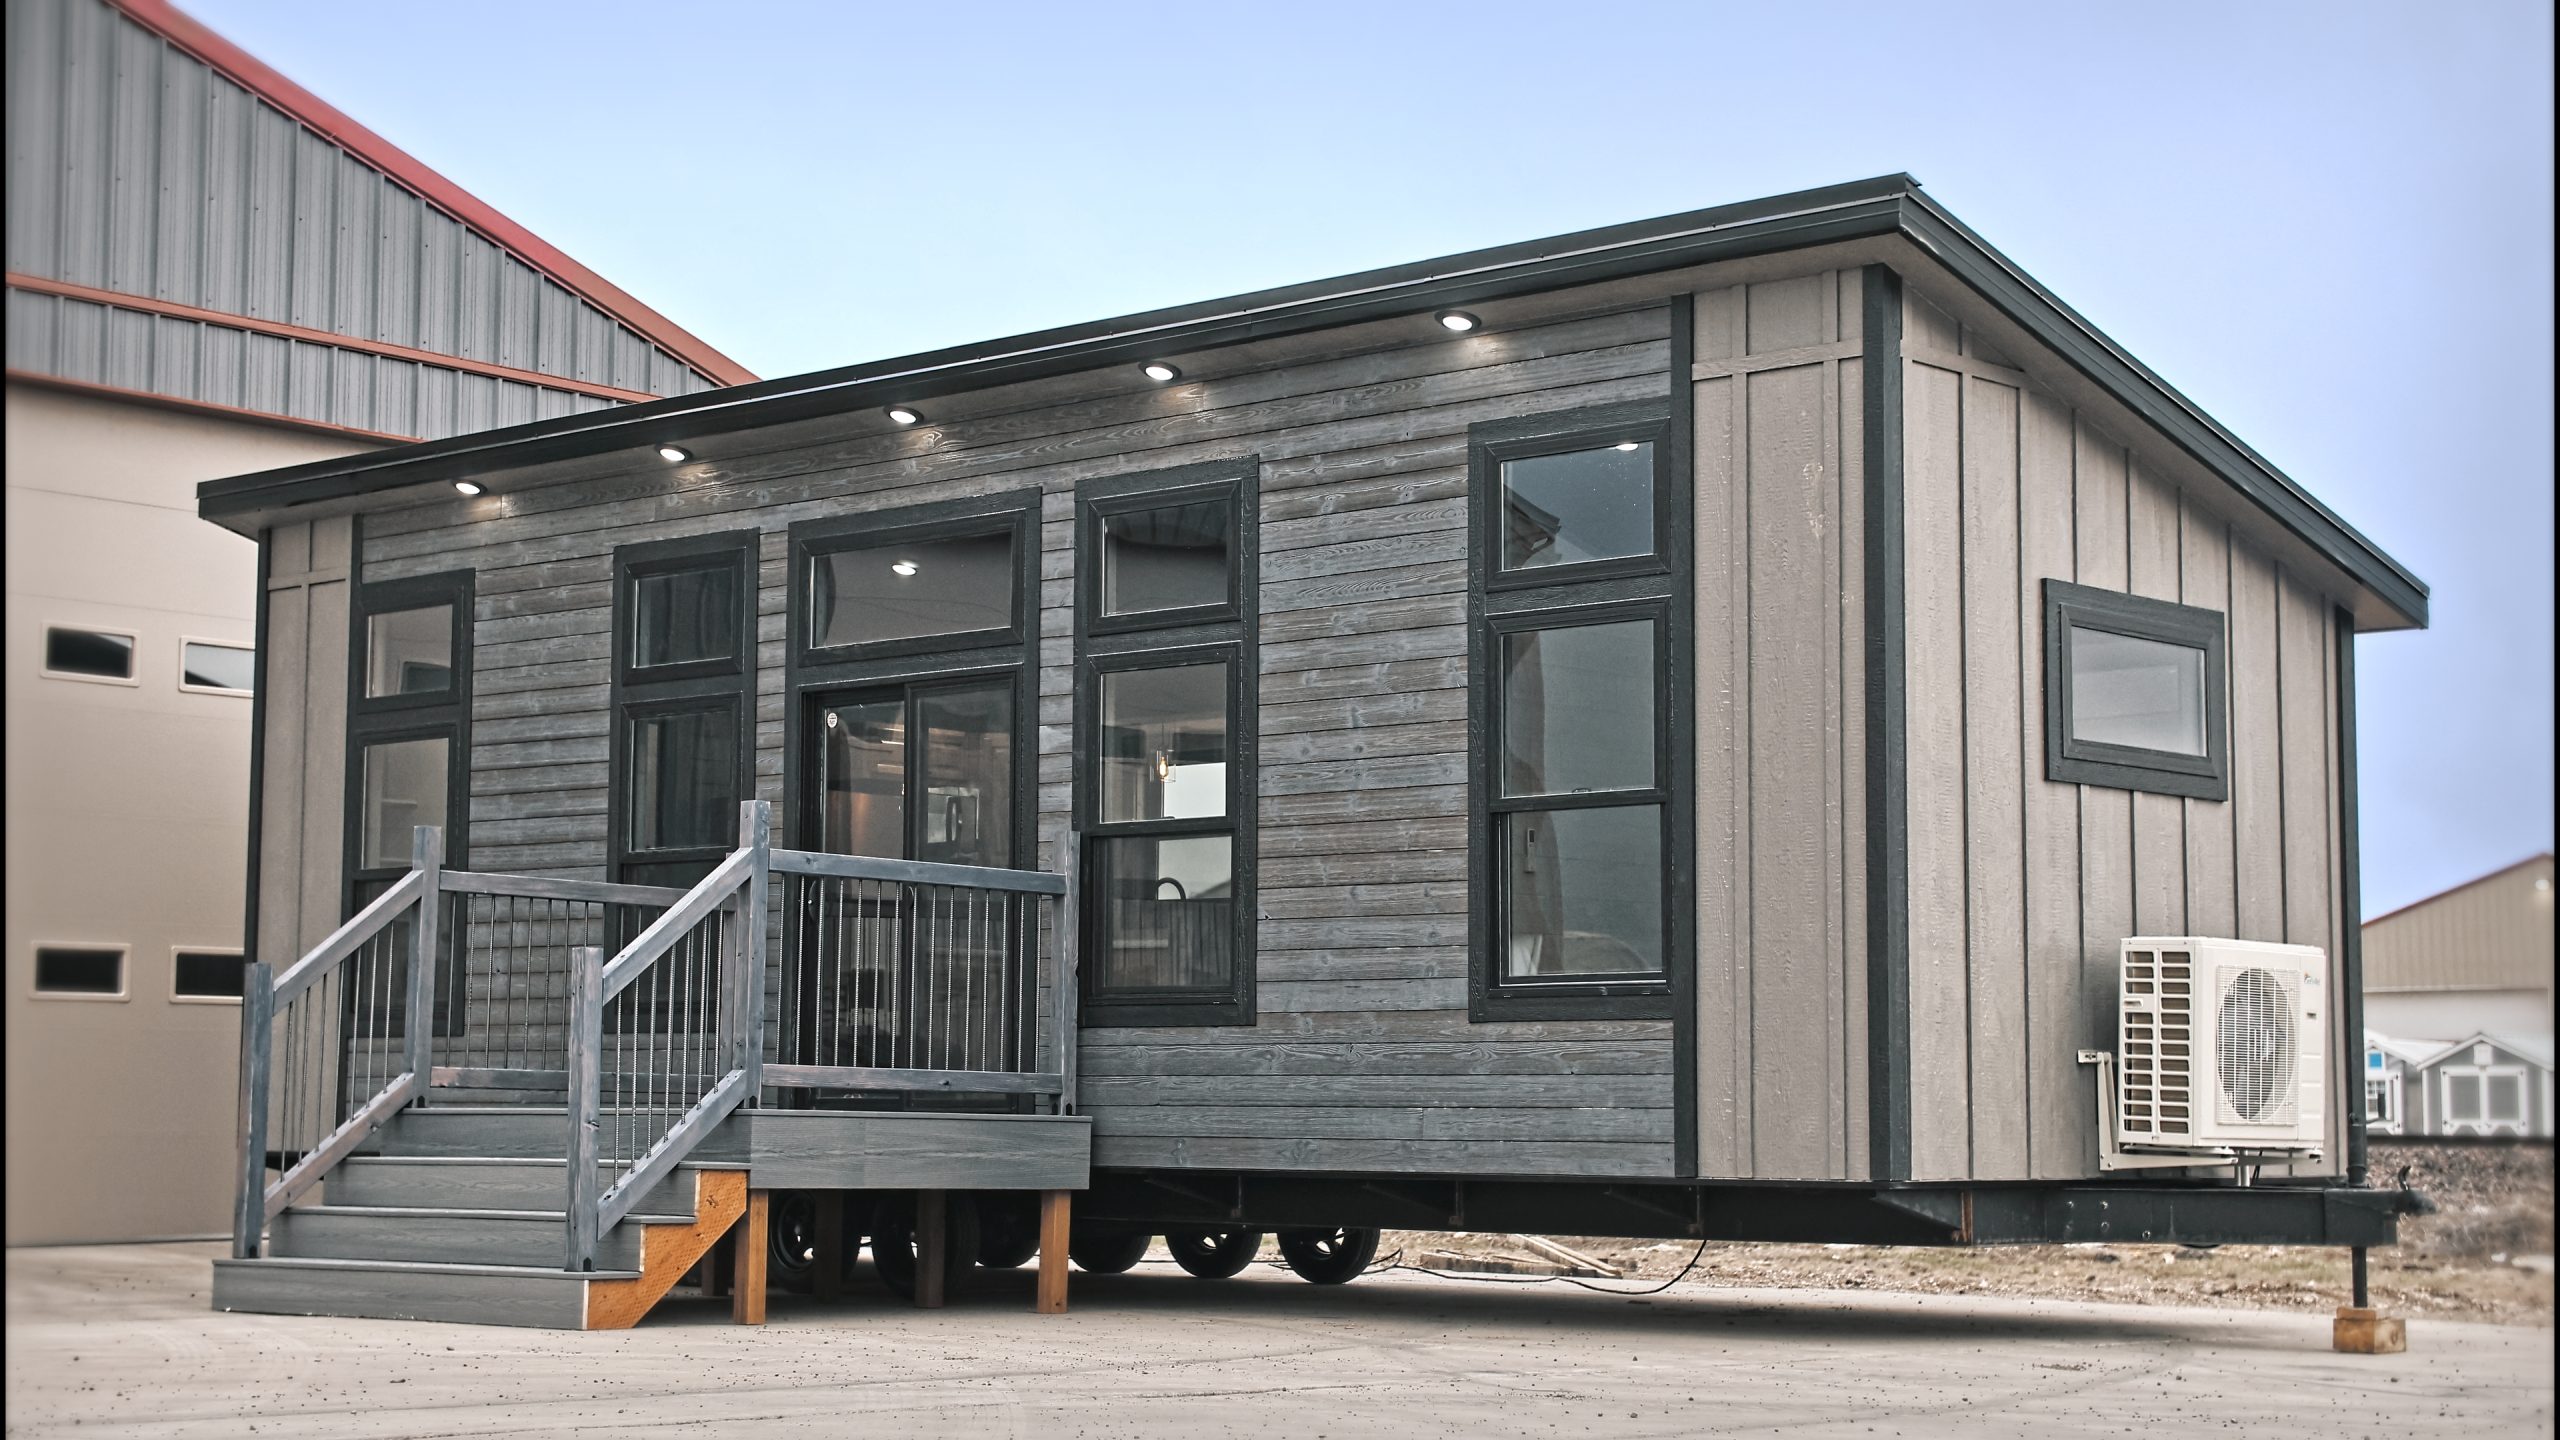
x=674 y=454
x=1458 y=320
x=905 y=414
x=903 y=567
x=468 y=487
x=1161 y=373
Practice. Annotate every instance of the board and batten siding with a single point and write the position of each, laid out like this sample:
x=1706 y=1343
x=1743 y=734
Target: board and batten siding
x=1363 y=1057
x=301 y=835
x=1781 y=754
x=2020 y=888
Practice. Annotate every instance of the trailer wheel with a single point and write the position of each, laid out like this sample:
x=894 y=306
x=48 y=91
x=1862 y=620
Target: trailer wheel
x=1328 y=1257
x=1106 y=1252
x=792 y=1247
x=1008 y=1231
x=1213 y=1254
x=893 y=1241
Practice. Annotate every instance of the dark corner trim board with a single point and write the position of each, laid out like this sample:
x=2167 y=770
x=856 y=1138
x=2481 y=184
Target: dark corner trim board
x=257 y=747
x=2350 y=900
x=1889 y=205
x=1682 y=646
x=1888 y=795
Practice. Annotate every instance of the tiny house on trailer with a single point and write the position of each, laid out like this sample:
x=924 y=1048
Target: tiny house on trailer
x=1755 y=724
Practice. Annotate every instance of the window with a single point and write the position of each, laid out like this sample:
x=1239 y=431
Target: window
x=2134 y=693
x=2484 y=1098
x=214 y=668
x=72 y=653
x=684 y=647
x=208 y=975
x=1165 y=711
x=80 y=972
x=408 y=748
x=1577 y=664
x=2382 y=1103
x=874 y=588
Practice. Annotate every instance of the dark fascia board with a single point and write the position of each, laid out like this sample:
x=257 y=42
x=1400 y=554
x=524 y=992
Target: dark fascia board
x=1890 y=205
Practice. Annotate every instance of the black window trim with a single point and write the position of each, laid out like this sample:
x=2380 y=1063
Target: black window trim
x=1015 y=513
x=2123 y=767
x=1492 y=444
x=1162 y=639
x=1656 y=587
x=444 y=714
x=638 y=692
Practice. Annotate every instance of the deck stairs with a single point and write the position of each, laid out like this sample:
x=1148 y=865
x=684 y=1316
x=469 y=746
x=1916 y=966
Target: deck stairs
x=457 y=1214
x=602 y=1096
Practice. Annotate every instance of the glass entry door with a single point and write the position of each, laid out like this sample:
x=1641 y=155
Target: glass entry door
x=895 y=976
x=916 y=772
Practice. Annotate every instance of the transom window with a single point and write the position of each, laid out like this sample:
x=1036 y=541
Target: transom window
x=1574 y=503
x=1161 y=558
x=409 y=652
x=946 y=589
x=2134 y=693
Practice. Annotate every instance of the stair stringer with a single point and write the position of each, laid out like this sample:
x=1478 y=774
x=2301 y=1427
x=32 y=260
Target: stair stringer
x=668 y=1251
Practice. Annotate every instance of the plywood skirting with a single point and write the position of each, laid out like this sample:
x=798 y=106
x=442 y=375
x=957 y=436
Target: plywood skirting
x=668 y=1251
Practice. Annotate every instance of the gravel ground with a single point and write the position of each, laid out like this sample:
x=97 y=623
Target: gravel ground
x=2494 y=1205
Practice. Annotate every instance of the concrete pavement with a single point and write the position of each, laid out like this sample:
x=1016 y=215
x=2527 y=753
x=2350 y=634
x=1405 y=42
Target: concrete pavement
x=116 y=1341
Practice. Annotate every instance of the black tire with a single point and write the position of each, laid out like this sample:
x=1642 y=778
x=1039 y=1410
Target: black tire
x=1008 y=1231
x=792 y=1247
x=893 y=1241
x=1106 y=1252
x=1328 y=1257
x=1213 y=1254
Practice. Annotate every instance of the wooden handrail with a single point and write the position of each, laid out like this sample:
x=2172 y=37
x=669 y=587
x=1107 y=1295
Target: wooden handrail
x=917 y=872
x=663 y=932
x=537 y=887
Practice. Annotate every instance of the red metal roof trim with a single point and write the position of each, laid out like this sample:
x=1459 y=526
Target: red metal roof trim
x=262 y=80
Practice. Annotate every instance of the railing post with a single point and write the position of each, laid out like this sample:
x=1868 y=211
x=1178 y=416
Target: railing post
x=426 y=855
x=755 y=831
x=257 y=1042
x=586 y=1046
x=1070 y=934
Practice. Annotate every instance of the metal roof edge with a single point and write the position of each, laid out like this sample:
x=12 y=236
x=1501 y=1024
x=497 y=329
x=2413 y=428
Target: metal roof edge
x=1890 y=204
x=2447 y=893
x=267 y=83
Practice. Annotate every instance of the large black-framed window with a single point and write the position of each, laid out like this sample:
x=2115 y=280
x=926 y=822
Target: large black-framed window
x=1579 y=855
x=1166 y=693
x=925 y=580
x=408 y=747
x=683 y=751
x=2135 y=693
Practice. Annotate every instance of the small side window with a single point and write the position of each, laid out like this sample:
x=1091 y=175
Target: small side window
x=2134 y=693
x=210 y=667
x=80 y=972
x=76 y=653
x=214 y=976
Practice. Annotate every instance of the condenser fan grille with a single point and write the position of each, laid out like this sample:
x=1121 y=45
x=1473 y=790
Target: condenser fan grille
x=2254 y=1045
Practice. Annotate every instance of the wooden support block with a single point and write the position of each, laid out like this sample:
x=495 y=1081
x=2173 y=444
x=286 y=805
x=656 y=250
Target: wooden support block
x=715 y=1270
x=1054 y=1206
x=828 y=1257
x=746 y=1301
x=933 y=1249
x=2368 y=1332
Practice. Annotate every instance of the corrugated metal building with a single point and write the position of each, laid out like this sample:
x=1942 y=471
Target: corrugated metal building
x=209 y=271
x=2475 y=959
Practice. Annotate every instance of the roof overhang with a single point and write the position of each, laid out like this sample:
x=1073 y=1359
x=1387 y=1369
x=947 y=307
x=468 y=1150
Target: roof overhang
x=1889 y=206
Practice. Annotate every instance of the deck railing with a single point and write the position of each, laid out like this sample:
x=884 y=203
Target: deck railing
x=646 y=1009
x=333 y=1047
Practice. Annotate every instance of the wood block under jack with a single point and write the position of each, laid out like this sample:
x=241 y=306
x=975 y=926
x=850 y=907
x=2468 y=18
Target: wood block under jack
x=2368 y=1332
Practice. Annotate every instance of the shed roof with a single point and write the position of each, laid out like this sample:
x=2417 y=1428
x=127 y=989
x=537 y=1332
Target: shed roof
x=2532 y=1049
x=1888 y=206
x=2491 y=933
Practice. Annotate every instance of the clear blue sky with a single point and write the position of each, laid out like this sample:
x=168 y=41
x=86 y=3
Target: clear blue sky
x=2329 y=224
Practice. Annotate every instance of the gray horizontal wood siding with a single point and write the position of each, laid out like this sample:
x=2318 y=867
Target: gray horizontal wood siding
x=2021 y=887
x=1781 y=1038
x=1363 y=1057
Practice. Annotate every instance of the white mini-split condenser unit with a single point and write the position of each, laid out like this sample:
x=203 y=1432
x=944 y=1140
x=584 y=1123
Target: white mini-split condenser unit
x=2221 y=1046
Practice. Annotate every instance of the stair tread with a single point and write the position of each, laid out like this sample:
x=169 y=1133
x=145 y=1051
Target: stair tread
x=427 y=1267
x=453 y=1212
x=519 y=1160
